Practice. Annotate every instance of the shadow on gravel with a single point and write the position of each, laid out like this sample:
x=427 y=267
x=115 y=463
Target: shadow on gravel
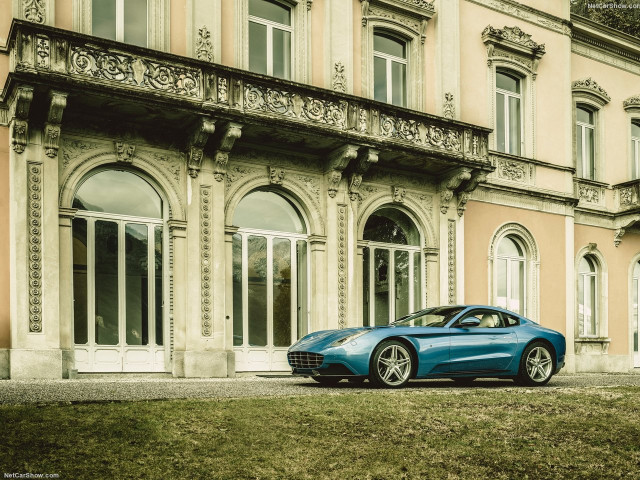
x=415 y=384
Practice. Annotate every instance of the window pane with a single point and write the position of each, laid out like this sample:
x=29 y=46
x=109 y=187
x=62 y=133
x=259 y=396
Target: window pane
x=268 y=211
x=390 y=225
x=281 y=53
x=399 y=84
x=303 y=288
x=509 y=248
x=103 y=18
x=581 y=307
x=365 y=287
x=381 y=272
x=502 y=283
x=579 y=151
x=635 y=130
x=589 y=154
x=584 y=116
x=635 y=312
x=106 y=293
x=158 y=274
x=500 y=123
x=80 y=333
x=237 y=291
x=417 y=282
x=389 y=45
x=517 y=287
x=135 y=22
x=380 y=79
x=281 y=292
x=635 y=158
x=592 y=303
x=257 y=290
x=270 y=11
x=401 y=260
x=507 y=82
x=137 y=284
x=257 y=48
x=115 y=191
x=514 y=125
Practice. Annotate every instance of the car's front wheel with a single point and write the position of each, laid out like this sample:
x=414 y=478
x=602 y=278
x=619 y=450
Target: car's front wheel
x=391 y=365
x=536 y=366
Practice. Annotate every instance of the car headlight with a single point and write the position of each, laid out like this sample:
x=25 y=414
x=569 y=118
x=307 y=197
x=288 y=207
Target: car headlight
x=349 y=338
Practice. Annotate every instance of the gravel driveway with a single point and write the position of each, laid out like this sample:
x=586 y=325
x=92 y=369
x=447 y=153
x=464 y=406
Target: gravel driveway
x=136 y=387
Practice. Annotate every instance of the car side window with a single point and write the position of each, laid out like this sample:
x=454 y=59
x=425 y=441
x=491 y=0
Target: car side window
x=487 y=319
x=511 y=321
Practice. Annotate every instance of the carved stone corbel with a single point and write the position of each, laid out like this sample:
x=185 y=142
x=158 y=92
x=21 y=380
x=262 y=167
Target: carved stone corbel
x=450 y=184
x=19 y=118
x=230 y=133
x=621 y=226
x=366 y=158
x=52 y=127
x=197 y=141
x=124 y=152
x=338 y=161
x=365 y=11
x=477 y=177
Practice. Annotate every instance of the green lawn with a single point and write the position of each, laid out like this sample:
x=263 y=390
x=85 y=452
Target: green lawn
x=512 y=433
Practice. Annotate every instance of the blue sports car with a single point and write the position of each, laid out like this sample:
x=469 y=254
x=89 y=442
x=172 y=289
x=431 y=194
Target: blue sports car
x=457 y=342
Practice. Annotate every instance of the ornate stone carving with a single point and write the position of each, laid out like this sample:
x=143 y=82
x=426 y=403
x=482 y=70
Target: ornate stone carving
x=324 y=111
x=222 y=90
x=230 y=133
x=52 y=127
x=448 y=108
x=124 y=151
x=34 y=219
x=236 y=173
x=204 y=47
x=617 y=236
x=339 y=78
x=34 y=11
x=135 y=71
x=342 y=266
x=43 y=51
x=338 y=161
x=205 y=259
x=589 y=194
x=450 y=184
x=169 y=163
x=515 y=35
x=513 y=43
x=363 y=121
x=590 y=86
x=73 y=148
x=276 y=175
x=477 y=177
x=451 y=261
x=366 y=158
x=512 y=171
x=632 y=102
x=398 y=194
x=310 y=185
x=626 y=197
x=197 y=142
x=20 y=121
x=268 y=100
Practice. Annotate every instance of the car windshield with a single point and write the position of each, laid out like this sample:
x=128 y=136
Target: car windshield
x=432 y=317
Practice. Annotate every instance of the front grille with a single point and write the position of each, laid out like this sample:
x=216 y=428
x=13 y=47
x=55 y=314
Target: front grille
x=305 y=359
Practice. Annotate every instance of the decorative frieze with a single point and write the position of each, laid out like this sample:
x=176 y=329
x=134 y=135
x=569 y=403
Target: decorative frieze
x=34 y=222
x=204 y=47
x=513 y=43
x=632 y=103
x=135 y=71
x=73 y=148
x=589 y=194
x=205 y=260
x=590 y=87
x=342 y=266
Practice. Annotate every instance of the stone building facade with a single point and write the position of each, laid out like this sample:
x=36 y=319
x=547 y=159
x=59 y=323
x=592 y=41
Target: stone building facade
x=189 y=186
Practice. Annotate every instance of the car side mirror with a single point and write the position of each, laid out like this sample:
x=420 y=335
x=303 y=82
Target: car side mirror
x=469 y=322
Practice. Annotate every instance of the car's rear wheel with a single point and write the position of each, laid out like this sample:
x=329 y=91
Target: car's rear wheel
x=391 y=365
x=327 y=381
x=536 y=366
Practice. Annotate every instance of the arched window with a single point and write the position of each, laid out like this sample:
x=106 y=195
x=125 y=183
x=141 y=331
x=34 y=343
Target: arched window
x=392 y=267
x=585 y=142
x=389 y=69
x=118 y=274
x=270 y=34
x=511 y=275
x=587 y=297
x=508 y=113
x=270 y=280
x=635 y=149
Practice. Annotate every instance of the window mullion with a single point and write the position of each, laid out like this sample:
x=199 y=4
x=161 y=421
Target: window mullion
x=389 y=81
x=269 y=50
x=120 y=20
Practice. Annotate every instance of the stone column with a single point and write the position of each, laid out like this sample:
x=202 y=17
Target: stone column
x=318 y=249
x=178 y=308
x=66 y=216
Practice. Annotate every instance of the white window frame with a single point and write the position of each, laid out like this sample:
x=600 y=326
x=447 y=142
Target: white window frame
x=584 y=279
x=158 y=15
x=510 y=260
x=280 y=26
x=602 y=298
x=389 y=59
x=583 y=162
x=300 y=37
x=508 y=114
x=635 y=151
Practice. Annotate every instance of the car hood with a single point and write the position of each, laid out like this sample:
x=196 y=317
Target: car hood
x=326 y=337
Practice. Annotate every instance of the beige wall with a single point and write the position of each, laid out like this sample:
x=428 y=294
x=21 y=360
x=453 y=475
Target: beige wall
x=228 y=28
x=178 y=27
x=618 y=261
x=4 y=238
x=559 y=8
x=64 y=14
x=481 y=221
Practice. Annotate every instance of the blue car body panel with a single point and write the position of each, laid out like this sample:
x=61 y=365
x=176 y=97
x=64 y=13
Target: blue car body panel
x=441 y=352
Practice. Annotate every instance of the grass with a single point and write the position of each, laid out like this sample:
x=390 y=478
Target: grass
x=453 y=433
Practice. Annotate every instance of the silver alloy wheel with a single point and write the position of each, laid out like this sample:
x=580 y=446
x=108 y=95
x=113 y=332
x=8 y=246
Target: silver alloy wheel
x=539 y=364
x=394 y=365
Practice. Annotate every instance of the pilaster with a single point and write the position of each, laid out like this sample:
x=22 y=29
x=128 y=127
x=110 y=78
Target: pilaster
x=65 y=222
x=319 y=320
x=339 y=25
x=448 y=59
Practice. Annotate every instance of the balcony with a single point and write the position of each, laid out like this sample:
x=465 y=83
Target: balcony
x=113 y=88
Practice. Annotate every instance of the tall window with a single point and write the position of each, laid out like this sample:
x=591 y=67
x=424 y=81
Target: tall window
x=392 y=267
x=635 y=149
x=587 y=291
x=270 y=33
x=636 y=317
x=508 y=113
x=390 y=69
x=511 y=275
x=120 y=20
x=585 y=143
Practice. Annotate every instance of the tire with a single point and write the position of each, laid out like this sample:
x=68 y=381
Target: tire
x=327 y=381
x=391 y=365
x=536 y=366
x=463 y=381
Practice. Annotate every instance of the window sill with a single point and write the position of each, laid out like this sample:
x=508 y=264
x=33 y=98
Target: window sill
x=592 y=345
